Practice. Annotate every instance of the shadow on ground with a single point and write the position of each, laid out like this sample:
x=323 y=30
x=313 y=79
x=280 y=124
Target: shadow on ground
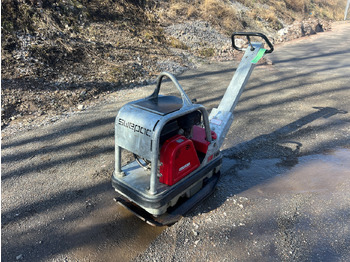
x=79 y=145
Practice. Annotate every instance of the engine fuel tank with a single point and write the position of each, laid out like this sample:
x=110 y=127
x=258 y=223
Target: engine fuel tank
x=178 y=158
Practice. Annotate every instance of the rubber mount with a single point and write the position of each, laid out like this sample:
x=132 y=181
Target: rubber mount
x=175 y=213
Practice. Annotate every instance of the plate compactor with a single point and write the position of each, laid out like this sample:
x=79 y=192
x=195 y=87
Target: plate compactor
x=176 y=145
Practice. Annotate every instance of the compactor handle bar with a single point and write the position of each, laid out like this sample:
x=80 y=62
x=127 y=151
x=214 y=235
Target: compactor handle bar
x=185 y=99
x=248 y=35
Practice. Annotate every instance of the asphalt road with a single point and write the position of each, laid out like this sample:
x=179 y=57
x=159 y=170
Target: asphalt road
x=284 y=191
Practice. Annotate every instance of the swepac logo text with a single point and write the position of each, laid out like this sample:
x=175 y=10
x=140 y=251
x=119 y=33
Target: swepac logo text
x=134 y=127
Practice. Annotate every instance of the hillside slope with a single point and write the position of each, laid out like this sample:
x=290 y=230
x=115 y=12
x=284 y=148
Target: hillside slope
x=59 y=54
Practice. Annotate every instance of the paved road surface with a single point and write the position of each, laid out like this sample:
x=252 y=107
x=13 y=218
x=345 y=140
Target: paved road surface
x=284 y=192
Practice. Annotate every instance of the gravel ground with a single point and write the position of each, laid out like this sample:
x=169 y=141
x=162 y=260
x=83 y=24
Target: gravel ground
x=202 y=38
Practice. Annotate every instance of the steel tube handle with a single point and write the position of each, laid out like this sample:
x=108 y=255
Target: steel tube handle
x=248 y=35
x=185 y=99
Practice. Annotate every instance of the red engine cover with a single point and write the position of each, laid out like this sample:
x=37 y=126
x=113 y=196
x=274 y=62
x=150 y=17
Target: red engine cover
x=179 y=158
x=198 y=138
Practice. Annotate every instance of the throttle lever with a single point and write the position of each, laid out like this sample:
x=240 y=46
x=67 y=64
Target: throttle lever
x=250 y=44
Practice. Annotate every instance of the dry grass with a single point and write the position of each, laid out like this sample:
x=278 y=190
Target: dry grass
x=331 y=9
x=326 y=9
x=206 y=52
x=176 y=43
x=220 y=13
x=223 y=15
x=267 y=15
x=296 y=5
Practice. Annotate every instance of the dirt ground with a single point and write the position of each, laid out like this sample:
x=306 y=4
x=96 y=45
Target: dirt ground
x=283 y=194
x=60 y=57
